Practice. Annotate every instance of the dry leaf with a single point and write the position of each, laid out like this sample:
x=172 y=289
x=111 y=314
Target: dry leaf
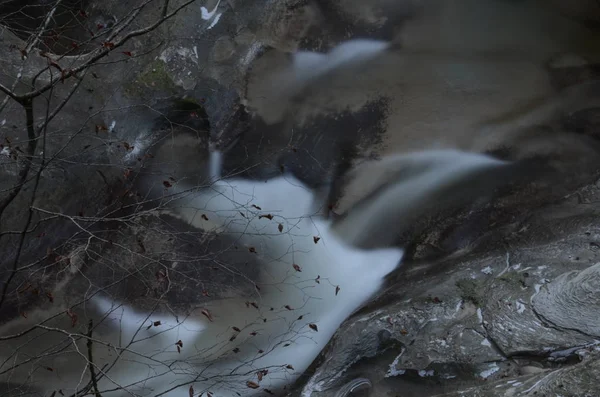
x=252 y=385
x=260 y=374
x=253 y=333
x=191 y=391
x=232 y=338
x=297 y=268
x=236 y=350
x=207 y=314
x=73 y=317
x=167 y=184
x=178 y=349
x=289 y=367
x=316 y=239
x=179 y=343
x=337 y=289
x=300 y=318
x=313 y=327
x=156 y=323
x=317 y=279
x=280 y=228
x=236 y=329
x=288 y=307
x=257 y=207
x=269 y=391
x=261 y=351
x=268 y=216
x=252 y=250
x=204 y=217
x=403 y=331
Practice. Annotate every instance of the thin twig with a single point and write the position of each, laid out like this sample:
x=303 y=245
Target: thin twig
x=91 y=359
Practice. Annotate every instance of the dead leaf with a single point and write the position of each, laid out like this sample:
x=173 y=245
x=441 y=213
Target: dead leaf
x=269 y=391
x=178 y=349
x=73 y=317
x=317 y=279
x=156 y=323
x=232 y=338
x=261 y=351
x=252 y=385
x=179 y=343
x=297 y=268
x=316 y=239
x=280 y=228
x=288 y=307
x=300 y=318
x=253 y=333
x=191 y=391
x=252 y=250
x=337 y=289
x=167 y=184
x=289 y=367
x=24 y=314
x=204 y=217
x=49 y=369
x=313 y=327
x=236 y=329
x=260 y=374
x=128 y=53
x=254 y=304
x=268 y=216
x=257 y=207
x=236 y=350
x=207 y=314
x=403 y=331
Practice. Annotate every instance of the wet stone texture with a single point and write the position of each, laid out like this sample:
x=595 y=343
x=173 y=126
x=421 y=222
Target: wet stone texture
x=496 y=299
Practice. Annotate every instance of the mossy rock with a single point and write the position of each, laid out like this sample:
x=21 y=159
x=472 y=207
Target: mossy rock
x=153 y=79
x=471 y=291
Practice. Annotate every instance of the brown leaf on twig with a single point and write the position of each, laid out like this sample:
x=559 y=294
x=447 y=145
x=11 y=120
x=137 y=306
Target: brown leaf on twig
x=337 y=289
x=288 y=307
x=252 y=250
x=191 y=391
x=297 y=268
x=204 y=217
x=236 y=329
x=257 y=207
x=260 y=374
x=289 y=367
x=268 y=216
x=252 y=385
x=280 y=228
x=316 y=239
x=313 y=327
x=207 y=314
